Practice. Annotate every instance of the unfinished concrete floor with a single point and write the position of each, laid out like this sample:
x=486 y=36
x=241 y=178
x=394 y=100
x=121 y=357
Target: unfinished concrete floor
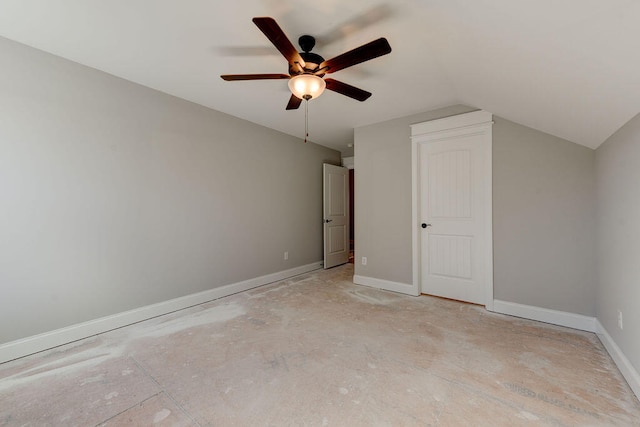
x=318 y=350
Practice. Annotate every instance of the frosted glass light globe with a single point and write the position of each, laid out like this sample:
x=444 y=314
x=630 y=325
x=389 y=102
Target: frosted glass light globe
x=307 y=86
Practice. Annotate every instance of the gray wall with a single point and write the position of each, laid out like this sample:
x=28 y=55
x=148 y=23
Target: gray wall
x=543 y=207
x=543 y=220
x=114 y=196
x=618 y=225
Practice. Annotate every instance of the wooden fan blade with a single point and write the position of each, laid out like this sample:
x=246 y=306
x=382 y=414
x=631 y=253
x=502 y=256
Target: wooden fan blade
x=356 y=56
x=294 y=103
x=234 y=77
x=347 y=90
x=274 y=33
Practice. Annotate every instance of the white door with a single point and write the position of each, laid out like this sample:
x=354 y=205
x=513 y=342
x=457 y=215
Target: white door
x=336 y=215
x=454 y=214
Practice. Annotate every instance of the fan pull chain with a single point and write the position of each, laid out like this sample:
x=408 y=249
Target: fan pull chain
x=306 y=120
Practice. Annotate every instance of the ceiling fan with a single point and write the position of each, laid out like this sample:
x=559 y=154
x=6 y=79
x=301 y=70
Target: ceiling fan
x=307 y=69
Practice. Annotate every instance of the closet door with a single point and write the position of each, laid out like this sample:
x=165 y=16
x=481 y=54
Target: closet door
x=453 y=218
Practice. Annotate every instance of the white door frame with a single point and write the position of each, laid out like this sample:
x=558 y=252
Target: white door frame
x=476 y=122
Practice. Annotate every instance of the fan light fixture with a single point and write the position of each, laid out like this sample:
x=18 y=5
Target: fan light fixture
x=307 y=86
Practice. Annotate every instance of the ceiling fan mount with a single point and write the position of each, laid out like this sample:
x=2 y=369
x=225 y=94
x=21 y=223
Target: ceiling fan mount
x=311 y=64
x=307 y=42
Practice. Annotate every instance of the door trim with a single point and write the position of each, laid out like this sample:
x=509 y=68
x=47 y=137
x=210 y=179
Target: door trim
x=476 y=122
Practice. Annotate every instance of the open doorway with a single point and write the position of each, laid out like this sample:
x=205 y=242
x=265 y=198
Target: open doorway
x=351 y=216
x=348 y=162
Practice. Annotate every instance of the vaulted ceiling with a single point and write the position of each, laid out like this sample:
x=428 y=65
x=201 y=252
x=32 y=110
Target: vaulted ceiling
x=570 y=68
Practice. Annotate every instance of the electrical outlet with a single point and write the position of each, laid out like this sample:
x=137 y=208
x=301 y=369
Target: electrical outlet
x=620 y=324
x=286 y=256
x=364 y=260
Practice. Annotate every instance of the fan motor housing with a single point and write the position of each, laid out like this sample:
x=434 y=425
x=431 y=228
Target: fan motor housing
x=312 y=60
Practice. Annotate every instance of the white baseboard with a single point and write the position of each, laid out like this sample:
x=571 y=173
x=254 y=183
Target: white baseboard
x=25 y=346
x=626 y=368
x=555 y=317
x=385 y=284
x=575 y=321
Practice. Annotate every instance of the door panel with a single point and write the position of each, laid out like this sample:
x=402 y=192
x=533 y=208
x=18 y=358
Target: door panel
x=450 y=256
x=336 y=238
x=450 y=184
x=452 y=197
x=336 y=215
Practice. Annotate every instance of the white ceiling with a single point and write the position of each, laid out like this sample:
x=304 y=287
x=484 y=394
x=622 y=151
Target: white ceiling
x=567 y=67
